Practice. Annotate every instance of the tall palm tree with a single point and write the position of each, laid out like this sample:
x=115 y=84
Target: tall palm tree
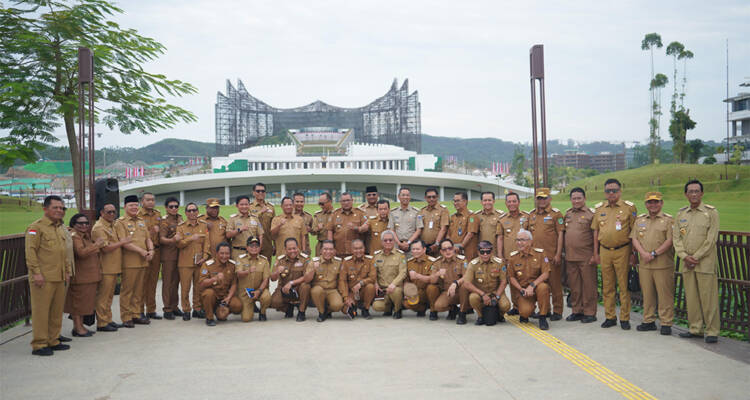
x=674 y=49
x=684 y=56
x=650 y=41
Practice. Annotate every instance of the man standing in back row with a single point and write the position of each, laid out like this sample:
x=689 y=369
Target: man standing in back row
x=507 y=229
x=546 y=224
x=265 y=212
x=152 y=217
x=579 y=258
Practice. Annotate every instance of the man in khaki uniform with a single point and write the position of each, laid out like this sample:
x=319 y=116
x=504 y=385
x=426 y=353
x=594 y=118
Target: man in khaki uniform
x=291 y=272
x=288 y=225
x=529 y=269
x=613 y=221
x=216 y=224
x=326 y=293
x=406 y=224
x=243 y=225
x=135 y=258
x=321 y=218
x=344 y=226
x=253 y=272
x=49 y=273
x=507 y=231
x=485 y=281
x=419 y=271
x=152 y=217
x=463 y=227
x=357 y=279
x=168 y=251
x=299 y=209
x=652 y=239
x=695 y=231
x=192 y=241
x=390 y=267
x=218 y=283
x=265 y=212
x=111 y=259
x=375 y=226
x=546 y=225
x=579 y=258
x=488 y=218
x=370 y=207
x=445 y=290
x=435 y=220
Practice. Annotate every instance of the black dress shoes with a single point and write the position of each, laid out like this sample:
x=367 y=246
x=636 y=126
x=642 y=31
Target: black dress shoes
x=169 y=315
x=646 y=326
x=106 y=328
x=301 y=316
x=555 y=317
x=433 y=316
x=608 y=323
x=87 y=334
x=60 y=347
x=543 y=325
x=153 y=315
x=587 y=319
x=574 y=317
x=44 y=351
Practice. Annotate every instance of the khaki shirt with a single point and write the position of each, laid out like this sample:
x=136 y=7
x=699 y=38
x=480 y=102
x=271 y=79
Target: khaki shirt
x=152 y=218
x=545 y=226
x=354 y=271
x=264 y=212
x=377 y=227
x=526 y=267
x=327 y=273
x=342 y=235
x=508 y=229
x=390 y=268
x=421 y=265
x=488 y=222
x=293 y=268
x=211 y=268
x=192 y=250
x=652 y=233
x=308 y=218
x=237 y=221
x=695 y=233
x=136 y=228
x=369 y=210
x=259 y=271
x=167 y=230
x=321 y=218
x=608 y=218
x=293 y=226
x=88 y=269
x=579 y=238
x=217 y=231
x=461 y=223
x=486 y=276
x=454 y=270
x=405 y=222
x=433 y=219
x=46 y=250
x=112 y=261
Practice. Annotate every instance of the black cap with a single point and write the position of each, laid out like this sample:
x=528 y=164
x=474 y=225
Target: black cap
x=371 y=189
x=252 y=239
x=131 y=199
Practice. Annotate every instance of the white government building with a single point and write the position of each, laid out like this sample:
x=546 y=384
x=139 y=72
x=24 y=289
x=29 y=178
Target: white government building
x=318 y=160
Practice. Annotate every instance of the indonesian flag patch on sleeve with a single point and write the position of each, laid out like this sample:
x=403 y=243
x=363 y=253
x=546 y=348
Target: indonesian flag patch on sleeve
x=32 y=232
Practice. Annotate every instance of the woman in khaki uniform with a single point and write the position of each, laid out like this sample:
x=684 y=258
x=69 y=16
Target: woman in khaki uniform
x=81 y=298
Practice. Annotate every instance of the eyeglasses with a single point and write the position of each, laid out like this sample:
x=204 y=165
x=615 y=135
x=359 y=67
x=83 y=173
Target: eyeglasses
x=192 y=210
x=82 y=222
x=540 y=198
x=611 y=190
x=386 y=240
x=260 y=191
x=485 y=251
x=522 y=240
x=431 y=197
x=446 y=248
x=371 y=194
x=172 y=207
x=322 y=204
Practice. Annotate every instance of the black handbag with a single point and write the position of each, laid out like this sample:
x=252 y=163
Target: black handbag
x=634 y=281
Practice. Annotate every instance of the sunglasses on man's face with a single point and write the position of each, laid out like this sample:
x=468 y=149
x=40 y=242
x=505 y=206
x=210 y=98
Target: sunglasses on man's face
x=192 y=210
x=611 y=190
x=260 y=191
x=82 y=223
x=172 y=206
x=485 y=251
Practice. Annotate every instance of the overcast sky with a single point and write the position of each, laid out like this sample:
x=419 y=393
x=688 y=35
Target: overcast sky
x=468 y=60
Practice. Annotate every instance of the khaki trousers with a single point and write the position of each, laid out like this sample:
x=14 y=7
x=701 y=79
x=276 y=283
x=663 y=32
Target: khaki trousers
x=391 y=302
x=248 y=304
x=615 y=270
x=211 y=300
x=555 y=284
x=527 y=304
x=170 y=280
x=702 y=298
x=514 y=294
x=366 y=296
x=583 y=287
x=433 y=292
x=150 y=279
x=657 y=287
x=47 y=304
x=460 y=298
x=131 y=293
x=104 y=294
x=189 y=277
x=503 y=305
x=330 y=297
x=281 y=303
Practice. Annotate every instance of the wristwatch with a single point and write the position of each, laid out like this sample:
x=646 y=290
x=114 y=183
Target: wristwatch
x=653 y=253
x=532 y=284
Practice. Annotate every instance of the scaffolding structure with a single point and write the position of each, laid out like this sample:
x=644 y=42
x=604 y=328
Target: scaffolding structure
x=394 y=118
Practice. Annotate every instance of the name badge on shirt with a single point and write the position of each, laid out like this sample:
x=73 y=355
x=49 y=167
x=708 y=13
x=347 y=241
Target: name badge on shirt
x=618 y=226
x=431 y=224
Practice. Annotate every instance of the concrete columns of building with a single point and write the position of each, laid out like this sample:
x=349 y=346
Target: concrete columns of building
x=468 y=194
x=283 y=190
x=227 y=200
x=182 y=197
x=398 y=189
x=343 y=187
x=442 y=193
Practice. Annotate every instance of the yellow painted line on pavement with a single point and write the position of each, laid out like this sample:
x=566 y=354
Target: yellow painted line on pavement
x=593 y=368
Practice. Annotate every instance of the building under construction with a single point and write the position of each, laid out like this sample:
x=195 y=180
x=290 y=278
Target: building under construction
x=394 y=118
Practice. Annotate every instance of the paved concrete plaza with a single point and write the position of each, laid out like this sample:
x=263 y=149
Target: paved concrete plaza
x=382 y=358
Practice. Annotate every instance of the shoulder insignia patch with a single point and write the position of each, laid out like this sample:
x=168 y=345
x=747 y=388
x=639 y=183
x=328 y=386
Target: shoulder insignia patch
x=399 y=251
x=281 y=257
x=337 y=258
x=409 y=259
x=555 y=209
x=684 y=208
x=372 y=216
x=437 y=258
x=710 y=207
x=628 y=202
x=443 y=205
x=569 y=209
x=303 y=255
x=431 y=258
x=210 y=262
x=233 y=215
x=538 y=250
x=497 y=259
x=668 y=215
x=378 y=252
x=513 y=253
x=348 y=258
x=200 y=221
x=181 y=222
x=232 y=261
x=368 y=257
x=592 y=210
x=475 y=261
x=599 y=204
x=316 y=258
x=643 y=215
x=262 y=256
x=318 y=212
x=460 y=257
x=242 y=255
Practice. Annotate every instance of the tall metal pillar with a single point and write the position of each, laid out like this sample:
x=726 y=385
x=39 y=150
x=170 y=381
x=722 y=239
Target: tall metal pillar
x=536 y=67
x=283 y=189
x=86 y=139
x=442 y=193
x=227 y=200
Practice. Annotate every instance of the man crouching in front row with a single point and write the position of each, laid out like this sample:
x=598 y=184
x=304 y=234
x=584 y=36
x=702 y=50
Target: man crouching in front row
x=528 y=270
x=218 y=283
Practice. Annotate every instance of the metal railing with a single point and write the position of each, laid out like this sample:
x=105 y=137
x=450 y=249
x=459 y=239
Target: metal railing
x=14 y=281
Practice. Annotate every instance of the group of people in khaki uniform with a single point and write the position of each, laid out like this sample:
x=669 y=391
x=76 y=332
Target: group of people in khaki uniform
x=375 y=257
